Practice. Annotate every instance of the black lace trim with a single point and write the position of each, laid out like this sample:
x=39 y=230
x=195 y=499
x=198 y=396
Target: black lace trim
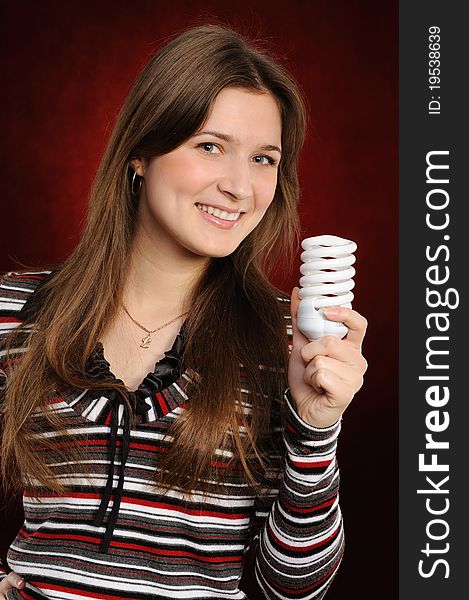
x=166 y=371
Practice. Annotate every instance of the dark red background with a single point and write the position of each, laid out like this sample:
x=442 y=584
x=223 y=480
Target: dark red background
x=67 y=67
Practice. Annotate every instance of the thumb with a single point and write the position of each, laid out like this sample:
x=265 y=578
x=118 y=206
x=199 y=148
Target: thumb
x=299 y=340
x=295 y=301
x=12 y=580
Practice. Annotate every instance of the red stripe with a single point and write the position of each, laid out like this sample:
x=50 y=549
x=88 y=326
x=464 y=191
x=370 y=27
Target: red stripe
x=26 y=277
x=60 y=536
x=303 y=548
x=155 y=449
x=310 y=509
x=79 y=593
x=56 y=400
x=218 y=464
x=163 y=552
x=140 y=502
x=162 y=403
x=187 y=511
x=69 y=495
x=75 y=442
x=104 y=442
x=12 y=361
x=312 y=465
x=176 y=553
x=316 y=584
x=140 y=548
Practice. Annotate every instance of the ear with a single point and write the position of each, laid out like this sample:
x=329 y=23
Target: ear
x=138 y=165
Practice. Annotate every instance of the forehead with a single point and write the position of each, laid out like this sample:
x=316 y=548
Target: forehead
x=246 y=115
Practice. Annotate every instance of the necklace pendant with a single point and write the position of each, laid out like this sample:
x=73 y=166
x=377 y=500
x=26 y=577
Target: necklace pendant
x=146 y=341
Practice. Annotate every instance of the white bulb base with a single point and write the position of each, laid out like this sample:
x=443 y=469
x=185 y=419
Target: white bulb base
x=314 y=324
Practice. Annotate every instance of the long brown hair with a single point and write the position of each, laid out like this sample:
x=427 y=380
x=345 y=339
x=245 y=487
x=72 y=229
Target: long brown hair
x=233 y=305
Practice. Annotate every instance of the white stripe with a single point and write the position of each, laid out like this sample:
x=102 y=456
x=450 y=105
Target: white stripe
x=271 y=593
x=144 y=567
x=95 y=408
x=131 y=586
x=4 y=286
x=150 y=514
x=315 y=491
x=180 y=391
x=157 y=516
x=21 y=273
x=151 y=414
x=310 y=458
x=10 y=326
x=120 y=416
x=12 y=304
x=177 y=542
x=307 y=478
x=315 y=538
x=198 y=498
x=304 y=521
x=77 y=399
x=13 y=351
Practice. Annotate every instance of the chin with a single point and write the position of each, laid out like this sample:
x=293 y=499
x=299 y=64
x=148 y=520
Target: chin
x=218 y=254
x=215 y=251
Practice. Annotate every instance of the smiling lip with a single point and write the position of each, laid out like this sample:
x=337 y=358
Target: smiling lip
x=222 y=208
x=220 y=223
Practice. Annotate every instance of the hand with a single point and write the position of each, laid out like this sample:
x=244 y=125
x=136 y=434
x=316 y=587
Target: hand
x=325 y=374
x=11 y=581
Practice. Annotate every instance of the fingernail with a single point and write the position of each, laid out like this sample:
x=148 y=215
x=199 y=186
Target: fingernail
x=19 y=582
x=332 y=310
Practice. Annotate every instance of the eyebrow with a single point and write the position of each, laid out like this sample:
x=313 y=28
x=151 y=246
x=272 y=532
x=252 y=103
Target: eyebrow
x=231 y=139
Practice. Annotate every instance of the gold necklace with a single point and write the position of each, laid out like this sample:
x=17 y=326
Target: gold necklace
x=146 y=341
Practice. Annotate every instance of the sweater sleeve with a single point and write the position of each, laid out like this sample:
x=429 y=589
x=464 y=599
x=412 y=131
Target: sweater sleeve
x=16 y=288
x=301 y=542
x=2 y=385
x=3 y=380
x=3 y=572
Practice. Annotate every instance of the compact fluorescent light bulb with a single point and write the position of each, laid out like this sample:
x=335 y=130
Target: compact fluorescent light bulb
x=326 y=281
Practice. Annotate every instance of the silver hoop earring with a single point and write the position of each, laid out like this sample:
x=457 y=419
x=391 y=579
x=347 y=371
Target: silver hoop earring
x=132 y=189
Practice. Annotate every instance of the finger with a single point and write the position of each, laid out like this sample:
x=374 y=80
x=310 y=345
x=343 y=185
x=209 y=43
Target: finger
x=334 y=347
x=12 y=580
x=350 y=375
x=326 y=382
x=355 y=322
x=16 y=580
x=299 y=340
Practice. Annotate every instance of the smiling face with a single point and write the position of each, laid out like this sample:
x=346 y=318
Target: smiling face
x=204 y=197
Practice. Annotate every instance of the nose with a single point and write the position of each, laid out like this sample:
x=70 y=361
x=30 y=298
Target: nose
x=235 y=180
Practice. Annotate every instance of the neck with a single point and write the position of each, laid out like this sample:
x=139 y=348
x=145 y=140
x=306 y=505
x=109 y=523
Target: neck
x=159 y=285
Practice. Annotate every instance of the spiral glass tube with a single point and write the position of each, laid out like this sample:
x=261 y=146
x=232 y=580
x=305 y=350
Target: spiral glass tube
x=326 y=280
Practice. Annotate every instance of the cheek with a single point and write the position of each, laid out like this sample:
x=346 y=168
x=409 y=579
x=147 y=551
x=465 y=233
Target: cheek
x=164 y=174
x=181 y=179
x=261 y=210
x=267 y=199
x=267 y=196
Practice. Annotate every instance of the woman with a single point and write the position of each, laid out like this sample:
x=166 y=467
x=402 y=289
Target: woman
x=157 y=422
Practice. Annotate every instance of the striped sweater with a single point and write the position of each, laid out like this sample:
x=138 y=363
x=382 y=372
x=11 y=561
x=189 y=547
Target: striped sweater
x=165 y=546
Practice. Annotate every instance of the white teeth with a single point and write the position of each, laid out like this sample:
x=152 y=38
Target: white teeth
x=220 y=214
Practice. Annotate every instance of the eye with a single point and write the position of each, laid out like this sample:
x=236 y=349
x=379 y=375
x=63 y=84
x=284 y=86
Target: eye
x=208 y=147
x=265 y=160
